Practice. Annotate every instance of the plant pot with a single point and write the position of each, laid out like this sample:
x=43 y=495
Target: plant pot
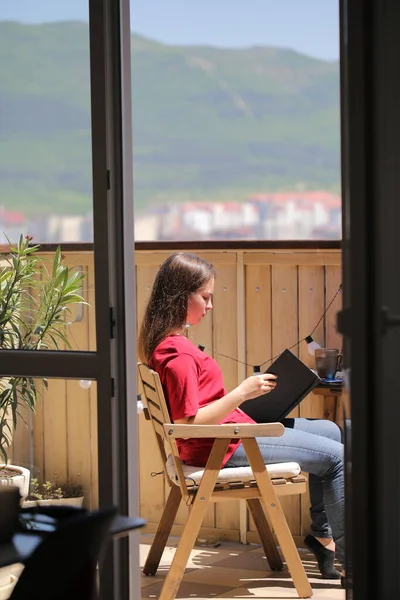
x=18 y=476
x=7 y=584
x=55 y=502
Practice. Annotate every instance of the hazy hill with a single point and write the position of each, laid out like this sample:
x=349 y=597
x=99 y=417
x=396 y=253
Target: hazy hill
x=207 y=122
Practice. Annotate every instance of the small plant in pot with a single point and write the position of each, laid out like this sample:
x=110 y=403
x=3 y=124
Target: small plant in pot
x=54 y=492
x=35 y=302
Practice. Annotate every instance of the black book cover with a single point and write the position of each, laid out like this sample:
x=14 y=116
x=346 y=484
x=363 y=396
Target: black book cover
x=295 y=381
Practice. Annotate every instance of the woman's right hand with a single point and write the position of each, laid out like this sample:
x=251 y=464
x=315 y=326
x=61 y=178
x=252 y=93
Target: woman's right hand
x=257 y=385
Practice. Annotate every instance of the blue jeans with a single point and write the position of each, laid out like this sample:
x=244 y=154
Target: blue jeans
x=316 y=445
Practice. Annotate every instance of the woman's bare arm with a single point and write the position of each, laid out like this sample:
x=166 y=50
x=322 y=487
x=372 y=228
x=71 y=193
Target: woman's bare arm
x=213 y=413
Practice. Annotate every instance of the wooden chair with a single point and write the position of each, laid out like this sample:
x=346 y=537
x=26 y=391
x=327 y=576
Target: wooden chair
x=199 y=486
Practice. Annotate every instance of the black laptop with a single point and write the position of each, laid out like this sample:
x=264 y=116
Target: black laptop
x=295 y=381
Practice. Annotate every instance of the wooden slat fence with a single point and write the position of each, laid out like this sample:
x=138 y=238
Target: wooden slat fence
x=265 y=301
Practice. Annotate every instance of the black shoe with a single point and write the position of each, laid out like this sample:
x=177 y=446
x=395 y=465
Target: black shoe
x=324 y=556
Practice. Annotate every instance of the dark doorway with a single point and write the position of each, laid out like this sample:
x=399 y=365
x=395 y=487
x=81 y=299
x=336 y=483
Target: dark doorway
x=370 y=55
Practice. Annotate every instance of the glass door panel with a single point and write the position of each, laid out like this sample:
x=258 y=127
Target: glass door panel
x=66 y=170
x=45 y=125
x=58 y=442
x=45 y=141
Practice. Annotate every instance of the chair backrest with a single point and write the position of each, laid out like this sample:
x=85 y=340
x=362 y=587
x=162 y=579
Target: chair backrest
x=156 y=410
x=63 y=566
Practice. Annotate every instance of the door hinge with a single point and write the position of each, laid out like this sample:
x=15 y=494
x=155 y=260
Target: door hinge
x=108 y=179
x=112 y=387
x=112 y=322
x=388 y=320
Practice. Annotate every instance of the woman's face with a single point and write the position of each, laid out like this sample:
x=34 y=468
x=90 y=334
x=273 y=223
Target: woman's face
x=200 y=303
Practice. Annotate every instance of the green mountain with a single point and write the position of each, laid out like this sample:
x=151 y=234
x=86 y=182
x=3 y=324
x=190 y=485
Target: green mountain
x=208 y=123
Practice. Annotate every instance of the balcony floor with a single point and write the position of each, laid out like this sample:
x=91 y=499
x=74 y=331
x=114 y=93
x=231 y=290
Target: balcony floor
x=233 y=570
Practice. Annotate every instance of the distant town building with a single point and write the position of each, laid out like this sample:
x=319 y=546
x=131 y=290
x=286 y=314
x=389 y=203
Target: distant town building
x=272 y=216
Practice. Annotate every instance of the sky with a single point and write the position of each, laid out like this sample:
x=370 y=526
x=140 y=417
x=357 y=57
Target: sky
x=308 y=26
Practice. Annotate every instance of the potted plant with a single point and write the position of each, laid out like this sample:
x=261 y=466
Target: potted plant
x=54 y=492
x=34 y=306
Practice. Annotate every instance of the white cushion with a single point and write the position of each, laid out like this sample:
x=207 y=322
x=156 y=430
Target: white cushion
x=194 y=474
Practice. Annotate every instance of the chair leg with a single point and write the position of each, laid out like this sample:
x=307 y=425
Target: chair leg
x=277 y=518
x=195 y=518
x=264 y=531
x=163 y=531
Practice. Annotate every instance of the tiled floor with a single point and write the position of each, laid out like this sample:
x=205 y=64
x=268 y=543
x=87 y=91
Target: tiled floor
x=233 y=571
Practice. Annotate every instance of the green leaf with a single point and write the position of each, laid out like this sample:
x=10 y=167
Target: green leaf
x=34 y=303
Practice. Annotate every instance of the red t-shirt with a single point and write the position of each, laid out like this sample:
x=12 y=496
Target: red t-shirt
x=192 y=379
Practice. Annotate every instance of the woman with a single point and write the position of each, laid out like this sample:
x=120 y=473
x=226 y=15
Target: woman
x=194 y=391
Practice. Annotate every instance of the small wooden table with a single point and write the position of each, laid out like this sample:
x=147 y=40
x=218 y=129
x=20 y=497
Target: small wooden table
x=333 y=401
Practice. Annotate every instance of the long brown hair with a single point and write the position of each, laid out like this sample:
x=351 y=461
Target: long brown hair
x=179 y=276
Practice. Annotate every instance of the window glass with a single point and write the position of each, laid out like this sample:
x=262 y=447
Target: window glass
x=236 y=119
x=235 y=114
x=45 y=131
x=57 y=442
